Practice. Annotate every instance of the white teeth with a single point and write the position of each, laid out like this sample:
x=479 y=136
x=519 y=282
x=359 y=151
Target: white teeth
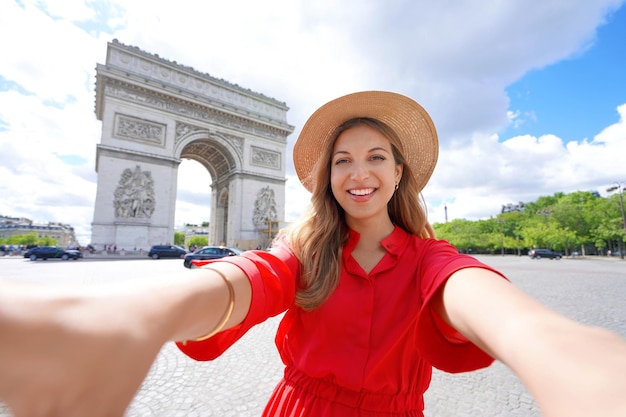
x=364 y=191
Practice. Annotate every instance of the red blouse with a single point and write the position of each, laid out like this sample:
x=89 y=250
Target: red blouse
x=370 y=348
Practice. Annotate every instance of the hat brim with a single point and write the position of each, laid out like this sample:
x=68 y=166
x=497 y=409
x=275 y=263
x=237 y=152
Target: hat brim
x=408 y=119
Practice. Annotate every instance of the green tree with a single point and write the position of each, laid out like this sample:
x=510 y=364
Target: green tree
x=28 y=239
x=575 y=212
x=609 y=231
x=179 y=238
x=512 y=226
x=563 y=222
x=47 y=241
x=198 y=241
x=463 y=234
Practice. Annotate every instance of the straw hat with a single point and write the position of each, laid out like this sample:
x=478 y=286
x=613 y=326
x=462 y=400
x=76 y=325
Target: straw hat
x=403 y=115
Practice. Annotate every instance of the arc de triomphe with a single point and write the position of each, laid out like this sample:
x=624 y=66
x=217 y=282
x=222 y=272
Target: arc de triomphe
x=155 y=113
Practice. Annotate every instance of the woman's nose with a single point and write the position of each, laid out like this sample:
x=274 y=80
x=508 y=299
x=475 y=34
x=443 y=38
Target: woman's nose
x=359 y=171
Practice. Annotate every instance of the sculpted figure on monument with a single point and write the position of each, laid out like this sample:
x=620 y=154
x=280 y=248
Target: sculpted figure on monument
x=134 y=195
x=264 y=207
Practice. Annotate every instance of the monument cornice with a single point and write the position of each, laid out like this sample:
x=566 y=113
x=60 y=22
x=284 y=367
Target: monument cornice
x=119 y=153
x=141 y=70
x=188 y=108
x=115 y=46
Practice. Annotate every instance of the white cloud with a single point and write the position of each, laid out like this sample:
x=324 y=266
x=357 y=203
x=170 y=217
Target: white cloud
x=476 y=179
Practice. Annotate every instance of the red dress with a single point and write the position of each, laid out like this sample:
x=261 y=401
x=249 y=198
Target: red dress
x=370 y=348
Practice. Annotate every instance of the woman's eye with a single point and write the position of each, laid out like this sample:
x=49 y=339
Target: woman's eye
x=378 y=158
x=340 y=161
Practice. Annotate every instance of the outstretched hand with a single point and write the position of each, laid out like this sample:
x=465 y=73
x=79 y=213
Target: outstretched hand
x=73 y=356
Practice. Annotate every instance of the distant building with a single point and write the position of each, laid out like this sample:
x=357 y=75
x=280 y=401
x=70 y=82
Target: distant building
x=510 y=208
x=192 y=230
x=62 y=233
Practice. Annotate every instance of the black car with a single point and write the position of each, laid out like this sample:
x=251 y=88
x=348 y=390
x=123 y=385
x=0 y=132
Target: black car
x=543 y=253
x=52 y=252
x=210 y=252
x=167 y=251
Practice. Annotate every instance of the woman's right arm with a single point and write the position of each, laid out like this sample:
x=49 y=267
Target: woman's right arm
x=85 y=351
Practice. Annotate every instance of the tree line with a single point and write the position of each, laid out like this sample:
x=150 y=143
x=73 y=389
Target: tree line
x=580 y=222
x=196 y=241
x=28 y=239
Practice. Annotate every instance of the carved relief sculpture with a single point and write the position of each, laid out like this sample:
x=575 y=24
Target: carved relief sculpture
x=127 y=127
x=134 y=195
x=265 y=158
x=264 y=208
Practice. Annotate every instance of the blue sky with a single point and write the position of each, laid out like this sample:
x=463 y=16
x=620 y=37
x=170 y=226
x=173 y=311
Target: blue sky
x=528 y=101
x=576 y=97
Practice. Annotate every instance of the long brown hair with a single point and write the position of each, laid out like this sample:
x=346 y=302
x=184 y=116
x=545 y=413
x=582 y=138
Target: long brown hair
x=317 y=238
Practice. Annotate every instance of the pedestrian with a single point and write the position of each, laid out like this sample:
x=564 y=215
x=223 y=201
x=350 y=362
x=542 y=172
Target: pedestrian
x=372 y=300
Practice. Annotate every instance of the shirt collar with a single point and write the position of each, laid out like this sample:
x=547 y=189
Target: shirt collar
x=394 y=244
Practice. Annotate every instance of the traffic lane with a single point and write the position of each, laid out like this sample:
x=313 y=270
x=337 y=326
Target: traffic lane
x=589 y=290
x=88 y=272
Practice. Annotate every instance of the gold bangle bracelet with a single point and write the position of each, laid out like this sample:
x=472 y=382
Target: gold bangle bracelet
x=227 y=313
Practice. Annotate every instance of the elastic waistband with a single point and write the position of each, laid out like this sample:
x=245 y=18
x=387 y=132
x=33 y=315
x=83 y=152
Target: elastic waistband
x=400 y=403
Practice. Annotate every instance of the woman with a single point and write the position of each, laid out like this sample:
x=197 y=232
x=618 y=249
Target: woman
x=372 y=300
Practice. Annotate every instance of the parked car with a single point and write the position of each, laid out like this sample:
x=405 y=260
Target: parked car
x=167 y=251
x=543 y=253
x=52 y=252
x=210 y=252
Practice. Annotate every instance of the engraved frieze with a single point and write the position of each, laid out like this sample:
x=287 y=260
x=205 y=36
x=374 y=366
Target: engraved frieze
x=264 y=158
x=127 y=127
x=203 y=114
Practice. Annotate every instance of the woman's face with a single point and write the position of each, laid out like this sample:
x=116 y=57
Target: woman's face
x=363 y=174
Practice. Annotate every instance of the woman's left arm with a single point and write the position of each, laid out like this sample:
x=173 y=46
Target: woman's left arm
x=570 y=369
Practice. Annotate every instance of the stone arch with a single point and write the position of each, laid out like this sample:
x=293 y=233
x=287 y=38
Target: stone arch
x=220 y=158
x=212 y=151
x=154 y=114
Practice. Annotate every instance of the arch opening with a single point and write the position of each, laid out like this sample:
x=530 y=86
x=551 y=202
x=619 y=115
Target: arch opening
x=193 y=198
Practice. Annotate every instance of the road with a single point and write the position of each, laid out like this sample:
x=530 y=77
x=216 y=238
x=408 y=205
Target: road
x=238 y=383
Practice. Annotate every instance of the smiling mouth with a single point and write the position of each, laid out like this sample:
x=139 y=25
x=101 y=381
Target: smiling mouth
x=362 y=191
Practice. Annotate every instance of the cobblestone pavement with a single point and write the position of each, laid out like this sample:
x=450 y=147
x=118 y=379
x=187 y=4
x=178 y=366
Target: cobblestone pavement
x=240 y=381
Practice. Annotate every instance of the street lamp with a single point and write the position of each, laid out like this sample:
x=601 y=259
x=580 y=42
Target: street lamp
x=618 y=187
